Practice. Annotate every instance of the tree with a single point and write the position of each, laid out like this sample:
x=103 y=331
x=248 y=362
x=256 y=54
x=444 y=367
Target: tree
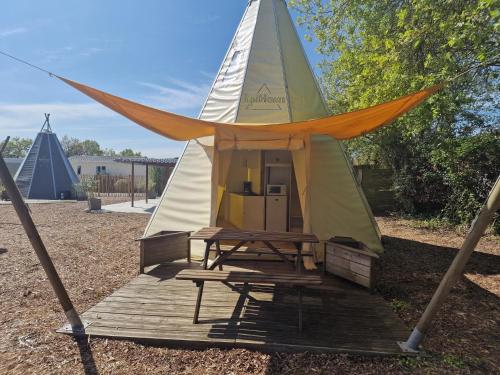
x=377 y=50
x=74 y=146
x=130 y=153
x=17 y=147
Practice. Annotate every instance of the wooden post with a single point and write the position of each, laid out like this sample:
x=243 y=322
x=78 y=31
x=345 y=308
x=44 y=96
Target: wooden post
x=39 y=247
x=147 y=182
x=133 y=184
x=476 y=230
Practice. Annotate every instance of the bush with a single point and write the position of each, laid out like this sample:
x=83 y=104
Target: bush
x=159 y=178
x=86 y=188
x=471 y=166
x=3 y=193
x=449 y=180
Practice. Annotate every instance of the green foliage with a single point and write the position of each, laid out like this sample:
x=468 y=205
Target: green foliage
x=74 y=146
x=86 y=188
x=412 y=363
x=469 y=166
x=3 y=192
x=77 y=147
x=17 y=147
x=454 y=361
x=444 y=153
x=159 y=179
x=130 y=153
x=399 y=305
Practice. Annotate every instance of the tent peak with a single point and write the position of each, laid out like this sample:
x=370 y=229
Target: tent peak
x=46 y=125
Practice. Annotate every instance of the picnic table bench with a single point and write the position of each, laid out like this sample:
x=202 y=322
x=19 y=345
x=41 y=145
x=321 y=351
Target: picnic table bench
x=213 y=236
x=226 y=277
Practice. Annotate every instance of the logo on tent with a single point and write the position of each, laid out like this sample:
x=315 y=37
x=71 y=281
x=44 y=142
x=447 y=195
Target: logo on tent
x=263 y=100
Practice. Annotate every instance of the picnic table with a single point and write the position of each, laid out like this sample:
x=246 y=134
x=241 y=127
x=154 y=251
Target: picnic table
x=215 y=235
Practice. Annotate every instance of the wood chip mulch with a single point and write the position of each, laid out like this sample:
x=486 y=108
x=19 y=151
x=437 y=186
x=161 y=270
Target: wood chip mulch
x=95 y=253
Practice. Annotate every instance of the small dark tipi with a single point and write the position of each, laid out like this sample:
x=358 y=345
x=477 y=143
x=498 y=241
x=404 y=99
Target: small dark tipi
x=46 y=172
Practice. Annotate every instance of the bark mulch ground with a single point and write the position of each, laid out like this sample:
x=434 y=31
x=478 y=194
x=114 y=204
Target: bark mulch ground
x=95 y=253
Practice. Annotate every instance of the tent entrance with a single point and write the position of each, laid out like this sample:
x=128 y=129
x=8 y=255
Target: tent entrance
x=258 y=191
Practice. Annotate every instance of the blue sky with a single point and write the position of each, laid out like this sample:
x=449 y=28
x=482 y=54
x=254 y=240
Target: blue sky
x=163 y=53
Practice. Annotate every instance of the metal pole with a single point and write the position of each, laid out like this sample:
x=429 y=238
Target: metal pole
x=39 y=247
x=147 y=182
x=133 y=184
x=476 y=230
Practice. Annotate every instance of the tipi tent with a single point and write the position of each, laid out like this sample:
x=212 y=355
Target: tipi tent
x=46 y=172
x=264 y=122
x=266 y=78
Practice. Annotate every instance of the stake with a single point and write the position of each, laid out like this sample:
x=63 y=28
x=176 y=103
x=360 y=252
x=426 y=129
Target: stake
x=476 y=230
x=147 y=182
x=133 y=184
x=39 y=247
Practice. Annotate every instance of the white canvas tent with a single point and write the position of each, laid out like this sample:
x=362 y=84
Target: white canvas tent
x=265 y=78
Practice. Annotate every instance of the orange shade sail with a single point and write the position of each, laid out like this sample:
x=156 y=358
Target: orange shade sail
x=344 y=126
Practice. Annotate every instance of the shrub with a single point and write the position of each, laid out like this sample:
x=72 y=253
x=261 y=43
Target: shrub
x=86 y=188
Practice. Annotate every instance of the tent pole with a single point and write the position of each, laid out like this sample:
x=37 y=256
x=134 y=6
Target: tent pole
x=133 y=184
x=4 y=146
x=147 y=182
x=39 y=247
x=476 y=230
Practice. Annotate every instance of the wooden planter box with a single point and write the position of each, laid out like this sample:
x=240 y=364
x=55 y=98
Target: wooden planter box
x=350 y=260
x=94 y=204
x=164 y=246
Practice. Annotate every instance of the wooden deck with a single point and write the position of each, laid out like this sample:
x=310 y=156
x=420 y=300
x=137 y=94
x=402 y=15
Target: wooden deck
x=338 y=316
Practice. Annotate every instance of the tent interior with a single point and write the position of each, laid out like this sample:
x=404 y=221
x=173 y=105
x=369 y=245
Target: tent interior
x=260 y=191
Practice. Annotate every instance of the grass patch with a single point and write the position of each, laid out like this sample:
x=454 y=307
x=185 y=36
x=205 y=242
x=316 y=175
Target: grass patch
x=399 y=305
x=454 y=361
x=433 y=223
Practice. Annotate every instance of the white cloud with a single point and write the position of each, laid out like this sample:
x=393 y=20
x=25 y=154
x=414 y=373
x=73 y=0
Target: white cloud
x=29 y=117
x=9 y=32
x=181 y=95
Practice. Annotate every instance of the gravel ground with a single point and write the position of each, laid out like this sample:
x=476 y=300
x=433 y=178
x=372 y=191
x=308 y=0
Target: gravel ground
x=95 y=254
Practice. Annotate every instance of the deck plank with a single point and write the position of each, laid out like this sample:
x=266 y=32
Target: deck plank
x=338 y=316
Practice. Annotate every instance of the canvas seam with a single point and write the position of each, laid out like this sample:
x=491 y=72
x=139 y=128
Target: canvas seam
x=284 y=73
x=36 y=162
x=325 y=106
x=52 y=167
x=248 y=60
x=224 y=59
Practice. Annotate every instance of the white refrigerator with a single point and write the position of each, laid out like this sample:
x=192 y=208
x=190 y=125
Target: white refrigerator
x=276 y=213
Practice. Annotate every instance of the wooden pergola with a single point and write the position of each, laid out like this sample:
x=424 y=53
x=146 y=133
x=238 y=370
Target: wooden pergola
x=166 y=163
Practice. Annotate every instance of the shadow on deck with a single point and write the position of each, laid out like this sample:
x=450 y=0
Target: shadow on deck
x=157 y=308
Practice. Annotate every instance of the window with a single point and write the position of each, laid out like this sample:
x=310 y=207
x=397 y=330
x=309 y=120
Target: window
x=98 y=169
x=103 y=169
x=79 y=170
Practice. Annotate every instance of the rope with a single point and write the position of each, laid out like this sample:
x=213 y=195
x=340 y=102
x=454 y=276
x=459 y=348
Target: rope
x=474 y=67
x=26 y=63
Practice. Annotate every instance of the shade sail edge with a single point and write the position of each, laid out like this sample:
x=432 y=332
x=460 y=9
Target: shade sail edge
x=181 y=128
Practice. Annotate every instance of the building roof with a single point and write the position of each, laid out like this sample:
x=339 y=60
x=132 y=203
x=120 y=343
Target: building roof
x=92 y=158
x=149 y=161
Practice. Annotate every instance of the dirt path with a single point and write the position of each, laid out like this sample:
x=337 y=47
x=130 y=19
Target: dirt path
x=96 y=253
